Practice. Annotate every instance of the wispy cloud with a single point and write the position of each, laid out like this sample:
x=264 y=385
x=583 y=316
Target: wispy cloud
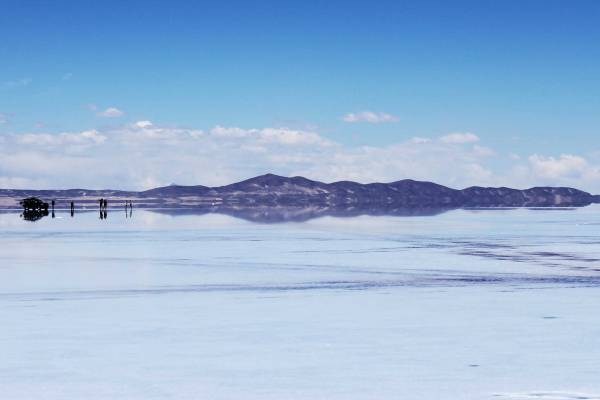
x=4 y=118
x=18 y=82
x=370 y=117
x=111 y=112
x=420 y=140
x=67 y=76
x=459 y=138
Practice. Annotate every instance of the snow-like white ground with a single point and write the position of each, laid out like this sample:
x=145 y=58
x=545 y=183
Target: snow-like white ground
x=463 y=305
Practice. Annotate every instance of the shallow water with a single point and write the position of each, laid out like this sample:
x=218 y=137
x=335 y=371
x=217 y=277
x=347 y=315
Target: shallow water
x=486 y=304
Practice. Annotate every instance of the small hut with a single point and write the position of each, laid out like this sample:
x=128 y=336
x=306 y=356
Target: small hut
x=33 y=204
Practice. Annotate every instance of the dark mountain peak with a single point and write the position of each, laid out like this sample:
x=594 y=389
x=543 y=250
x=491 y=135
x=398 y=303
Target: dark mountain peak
x=411 y=183
x=271 y=181
x=264 y=180
x=300 y=180
x=176 y=191
x=406 y=182
x=345 y=185
x=268 y=177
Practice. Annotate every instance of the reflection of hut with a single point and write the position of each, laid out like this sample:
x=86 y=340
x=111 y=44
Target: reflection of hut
x=34 y=204
x=34 y=215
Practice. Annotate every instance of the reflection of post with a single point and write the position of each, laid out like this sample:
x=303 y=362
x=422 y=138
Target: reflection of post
x=53 y=216
x=103 y=208
x=72 y=208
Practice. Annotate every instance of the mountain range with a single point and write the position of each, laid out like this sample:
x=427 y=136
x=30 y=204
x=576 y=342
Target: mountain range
x=277 y=191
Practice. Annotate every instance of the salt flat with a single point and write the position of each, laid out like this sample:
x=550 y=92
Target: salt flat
x=462 y=305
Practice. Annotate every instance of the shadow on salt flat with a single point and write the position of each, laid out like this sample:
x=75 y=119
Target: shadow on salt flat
x=548 y=396
x=520 y=282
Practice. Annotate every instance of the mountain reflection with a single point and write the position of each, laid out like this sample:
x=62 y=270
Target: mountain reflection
x=265 y=215
x=273 y=215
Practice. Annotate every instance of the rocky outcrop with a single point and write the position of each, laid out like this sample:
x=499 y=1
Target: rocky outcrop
x=534 y=197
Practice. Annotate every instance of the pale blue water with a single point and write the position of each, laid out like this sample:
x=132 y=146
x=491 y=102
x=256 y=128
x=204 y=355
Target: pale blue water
x=485 y=304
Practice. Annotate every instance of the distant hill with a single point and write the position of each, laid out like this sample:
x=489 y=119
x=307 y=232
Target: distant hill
x=277 y=191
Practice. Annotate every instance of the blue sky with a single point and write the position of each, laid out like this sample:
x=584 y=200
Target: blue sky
x=521 y=76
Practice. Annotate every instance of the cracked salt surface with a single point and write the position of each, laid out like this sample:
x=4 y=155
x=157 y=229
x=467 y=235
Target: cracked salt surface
x=463 y=305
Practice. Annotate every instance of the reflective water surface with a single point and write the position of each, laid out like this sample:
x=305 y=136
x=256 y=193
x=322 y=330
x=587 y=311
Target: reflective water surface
x=464 y=304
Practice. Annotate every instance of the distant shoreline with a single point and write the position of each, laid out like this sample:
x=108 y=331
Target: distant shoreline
x=276 y=191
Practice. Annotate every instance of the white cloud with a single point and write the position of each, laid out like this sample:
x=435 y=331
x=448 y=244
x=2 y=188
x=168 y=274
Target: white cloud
x=292 y=137
x=4 y=119
x=111 y=112
x=144 y=154
x=459 y=138
x=430 y=161
x=46 y=139
x=369 y=116
x=284 y=136
x=141 y=131
x=41 y=165
x=565 y=166
x=8 y=182
x=477 y=173
x=232 y=132
x=563 y=170
x=483 y=151
x=143 y=124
